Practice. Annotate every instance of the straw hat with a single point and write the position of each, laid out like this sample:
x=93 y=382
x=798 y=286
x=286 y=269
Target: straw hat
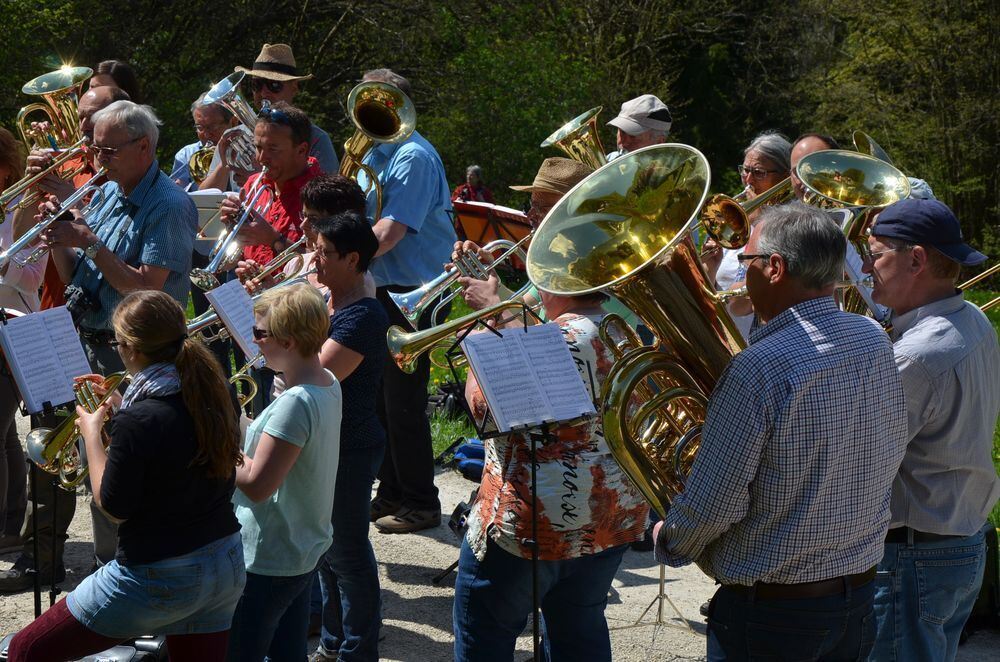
x=275 y=62
x=557 y=175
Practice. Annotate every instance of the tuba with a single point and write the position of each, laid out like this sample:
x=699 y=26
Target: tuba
x=579 y=139
x=382 y=113
x=627 y=230
x=55 y=450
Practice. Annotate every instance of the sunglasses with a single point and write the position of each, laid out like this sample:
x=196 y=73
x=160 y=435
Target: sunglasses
x=272 y=114
x=260 y=334
x=745 y=258
x=274 y=86
x=108 y=152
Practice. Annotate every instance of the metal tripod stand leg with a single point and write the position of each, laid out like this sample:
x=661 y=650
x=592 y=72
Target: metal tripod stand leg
x=658 y=601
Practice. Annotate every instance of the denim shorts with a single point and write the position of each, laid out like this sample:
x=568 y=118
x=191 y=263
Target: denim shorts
x=190 y=594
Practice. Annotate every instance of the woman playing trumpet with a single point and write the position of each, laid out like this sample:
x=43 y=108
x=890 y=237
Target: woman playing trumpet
x=168 y=478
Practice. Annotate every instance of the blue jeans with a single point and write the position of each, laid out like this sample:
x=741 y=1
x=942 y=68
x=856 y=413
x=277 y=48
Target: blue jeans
x=493 y=603
x=272 y=619
x=189 y=594
x=924 y=594
x=835 y=628
x=348 y=574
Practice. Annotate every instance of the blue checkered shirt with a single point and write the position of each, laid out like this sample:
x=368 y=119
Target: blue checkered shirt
x=155 y=224
x=803 y=436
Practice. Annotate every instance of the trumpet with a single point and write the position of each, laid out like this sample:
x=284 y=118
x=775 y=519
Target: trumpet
x=274 y=270
x=226 y=251
x=55 y=450
x=36 y=230
x=727 y=219
x=240 y=154
x=28 y=185
x=414 y=303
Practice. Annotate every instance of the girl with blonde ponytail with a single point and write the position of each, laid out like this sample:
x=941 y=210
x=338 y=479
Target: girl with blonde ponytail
x=168 y=477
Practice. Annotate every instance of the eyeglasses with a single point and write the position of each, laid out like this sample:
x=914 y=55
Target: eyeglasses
x=746 y=258
x=272 y=114
x=754 y=172
x=260 y=334
x=869 y=256
x=109 y=152
x=275 y=86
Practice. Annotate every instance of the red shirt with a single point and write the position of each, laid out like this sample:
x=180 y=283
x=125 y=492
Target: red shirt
x=53 y=289
x=284 y=213
x=472 y=194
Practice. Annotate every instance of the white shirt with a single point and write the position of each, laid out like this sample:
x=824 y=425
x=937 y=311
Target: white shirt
x=19 y=286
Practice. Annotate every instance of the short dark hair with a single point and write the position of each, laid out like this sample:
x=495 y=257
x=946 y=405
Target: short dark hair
x=350 y=232
x=124 y=76
x=831 y=143
x=285 y=114
x=333 y=194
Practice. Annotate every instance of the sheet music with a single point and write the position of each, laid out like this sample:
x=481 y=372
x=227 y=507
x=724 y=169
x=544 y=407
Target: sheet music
x=45 y=354
x=527 y=378
x=235 y=309
x=556 y=371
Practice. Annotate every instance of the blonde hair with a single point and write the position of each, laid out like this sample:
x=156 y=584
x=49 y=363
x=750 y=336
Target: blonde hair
x=151 y=322
x=296 y=312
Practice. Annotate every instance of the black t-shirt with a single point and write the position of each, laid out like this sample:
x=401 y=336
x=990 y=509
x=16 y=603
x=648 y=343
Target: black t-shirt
x=361 y=327
x=170 y=508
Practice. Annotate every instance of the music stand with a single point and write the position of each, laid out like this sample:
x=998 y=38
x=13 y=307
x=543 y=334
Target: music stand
x=661 y=596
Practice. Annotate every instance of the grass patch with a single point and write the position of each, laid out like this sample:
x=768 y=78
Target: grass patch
x=445 y=430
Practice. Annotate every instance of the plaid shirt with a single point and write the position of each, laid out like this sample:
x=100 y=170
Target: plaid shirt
x=803 y=437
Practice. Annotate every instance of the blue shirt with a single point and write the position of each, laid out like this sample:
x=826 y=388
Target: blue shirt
x=804 y=433
x=361 y=327
x=415 y=193
x=321 y=147
x=949 y=361
x=155 y=225
x=181 y=172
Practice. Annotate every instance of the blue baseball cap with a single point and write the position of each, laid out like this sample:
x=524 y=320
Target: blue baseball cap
x=927 y=222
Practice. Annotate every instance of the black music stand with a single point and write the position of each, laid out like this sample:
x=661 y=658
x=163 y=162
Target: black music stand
x=541 y=431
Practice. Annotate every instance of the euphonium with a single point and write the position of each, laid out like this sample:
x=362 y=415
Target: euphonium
x=579 y=139
x=865 y=144
x=240 y=154
x=55 y=450
x=382 y=113
x=627 y=230
x=414 y=304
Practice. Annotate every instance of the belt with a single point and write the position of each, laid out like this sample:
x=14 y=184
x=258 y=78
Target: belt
x=97 y=336
x=820 y=589
x=901 y=536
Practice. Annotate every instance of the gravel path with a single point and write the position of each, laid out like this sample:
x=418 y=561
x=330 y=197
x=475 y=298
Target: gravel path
x=417 y=614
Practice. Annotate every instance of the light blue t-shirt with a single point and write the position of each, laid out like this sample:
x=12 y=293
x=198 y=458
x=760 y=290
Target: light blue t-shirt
x=286 y=534
x=415 y=193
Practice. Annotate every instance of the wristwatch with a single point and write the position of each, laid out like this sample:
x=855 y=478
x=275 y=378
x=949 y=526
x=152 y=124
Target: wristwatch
x=91 y=251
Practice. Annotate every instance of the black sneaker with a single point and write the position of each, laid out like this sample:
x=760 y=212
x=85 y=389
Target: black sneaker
x=18 y=578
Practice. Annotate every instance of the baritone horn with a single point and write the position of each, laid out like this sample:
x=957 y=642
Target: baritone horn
x=727 y=219
x=240 y=154
x=627 y=230
x=579 y=139
x=382 y=113
x=54 y=450
x=414 y=304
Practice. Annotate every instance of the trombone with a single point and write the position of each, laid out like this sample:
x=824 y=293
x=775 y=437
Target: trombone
x=36 y=230
x=225 y=253
x=55 y=450
x=414 y=303
x=26 y=184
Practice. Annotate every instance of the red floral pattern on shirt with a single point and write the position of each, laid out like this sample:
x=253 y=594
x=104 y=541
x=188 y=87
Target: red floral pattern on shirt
x=586 y=504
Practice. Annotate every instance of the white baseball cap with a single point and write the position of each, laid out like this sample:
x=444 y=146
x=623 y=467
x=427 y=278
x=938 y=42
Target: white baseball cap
x=645 y=113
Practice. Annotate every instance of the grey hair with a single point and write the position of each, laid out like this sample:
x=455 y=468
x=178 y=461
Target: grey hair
x=474 y=170
x=774 y=147
x=389 y=76
x=808 y=239
x=217 y=107
x=138 y=121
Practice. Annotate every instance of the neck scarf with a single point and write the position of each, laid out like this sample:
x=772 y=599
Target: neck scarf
x=154 y=380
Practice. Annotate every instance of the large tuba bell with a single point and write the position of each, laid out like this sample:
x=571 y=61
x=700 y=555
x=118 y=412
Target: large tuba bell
x=382 y=113
x=579 y=139
x=55 y=450
x=627 y=230
x=240 y=154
